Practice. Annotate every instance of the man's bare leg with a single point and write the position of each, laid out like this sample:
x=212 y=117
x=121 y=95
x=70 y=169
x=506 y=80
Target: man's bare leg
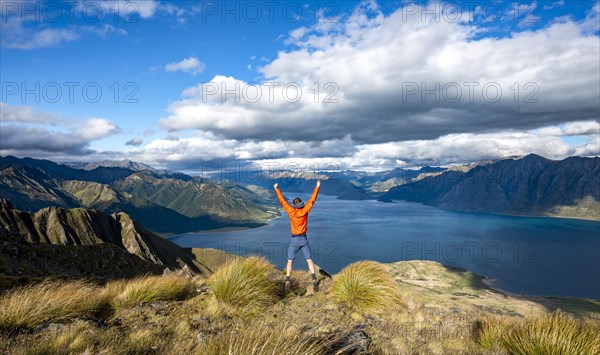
x=288 y=272
x=311 y=266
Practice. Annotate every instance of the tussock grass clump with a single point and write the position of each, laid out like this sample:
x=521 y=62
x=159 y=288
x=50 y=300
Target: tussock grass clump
x=263 y=339
x=555 y=333
x=50 y=302
x=244 y=283
x=128 y=293
x=489 y=333
x=367 y=287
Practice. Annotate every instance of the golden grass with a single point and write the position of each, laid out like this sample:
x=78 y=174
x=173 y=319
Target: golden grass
x=555 y=333
x=261 y=339
x=363 y=296
x=76 y=338
x=128 y=293
x=82 y=337
x=489 y=333
x=244 y=283
x=366 y=286
x=50 y=302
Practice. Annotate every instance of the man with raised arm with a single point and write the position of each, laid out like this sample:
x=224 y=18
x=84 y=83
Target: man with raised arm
x=298 y=214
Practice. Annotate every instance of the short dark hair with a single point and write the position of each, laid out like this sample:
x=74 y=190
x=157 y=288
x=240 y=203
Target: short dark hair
x=296 y=201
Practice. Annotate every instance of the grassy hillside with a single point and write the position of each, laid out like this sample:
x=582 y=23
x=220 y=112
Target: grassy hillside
x=423 y=308
x=194 y=198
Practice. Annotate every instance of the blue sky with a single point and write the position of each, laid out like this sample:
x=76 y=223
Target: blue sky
x=159 y=51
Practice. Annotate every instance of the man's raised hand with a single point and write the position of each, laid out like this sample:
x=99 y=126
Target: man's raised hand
x=318 y=183
x=275 y=186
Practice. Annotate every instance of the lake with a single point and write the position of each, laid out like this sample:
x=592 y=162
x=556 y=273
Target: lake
x=524 y=255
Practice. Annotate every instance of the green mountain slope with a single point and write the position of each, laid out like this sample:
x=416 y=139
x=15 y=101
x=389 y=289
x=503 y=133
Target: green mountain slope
x=157 y=218
x=165 y=202
x=195 y=198
x=32 y=188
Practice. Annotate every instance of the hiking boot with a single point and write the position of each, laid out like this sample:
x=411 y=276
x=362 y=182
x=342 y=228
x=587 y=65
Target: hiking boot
x=286 y=286
x=315 y=285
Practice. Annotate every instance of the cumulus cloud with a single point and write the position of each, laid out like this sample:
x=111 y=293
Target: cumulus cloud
x=346 y=153
x=31 y=139
x=396 y=78
x=136 y=142
x=24 y=129
x=583 y=128
x=368 y=91
x=28 y=114
x=188 y=65
x=591 y=24
x=96 y=128
x=207 y=147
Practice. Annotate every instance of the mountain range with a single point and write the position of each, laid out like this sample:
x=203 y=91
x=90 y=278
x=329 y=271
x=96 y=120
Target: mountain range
x=381 y=181
x=296 y=181
x=164 y=202
x=171 y=202
x=531 y=185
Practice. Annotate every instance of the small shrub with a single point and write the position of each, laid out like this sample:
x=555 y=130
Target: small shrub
x=48 y=302
x=128 y=293
x=244 y=282
x=367 y=287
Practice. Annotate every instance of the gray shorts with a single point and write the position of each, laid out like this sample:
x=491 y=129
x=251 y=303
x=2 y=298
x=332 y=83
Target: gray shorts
x=298 y=243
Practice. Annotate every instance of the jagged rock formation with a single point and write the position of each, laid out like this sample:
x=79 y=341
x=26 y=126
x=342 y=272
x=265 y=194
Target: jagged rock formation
x=22 y=262
x=77 y=227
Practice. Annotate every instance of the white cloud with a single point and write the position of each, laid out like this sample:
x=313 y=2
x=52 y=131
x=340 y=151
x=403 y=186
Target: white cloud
x=96 y=128
x=28 y=114
x=374 y=60
x=583 y=128
x=189 y=65
x=37 y=31
x=126 y=8
x=15 y=35
x=298 y=33
x=347 y=154
x=24 y=134
x=25 y=129
x=207 y=147
x=591 y=24
x=92 y=128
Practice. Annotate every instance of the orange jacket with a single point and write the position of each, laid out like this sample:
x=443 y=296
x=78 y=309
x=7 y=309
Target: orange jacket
x=298 y=216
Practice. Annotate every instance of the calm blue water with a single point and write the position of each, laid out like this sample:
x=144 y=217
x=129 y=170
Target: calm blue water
x=533 y=256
